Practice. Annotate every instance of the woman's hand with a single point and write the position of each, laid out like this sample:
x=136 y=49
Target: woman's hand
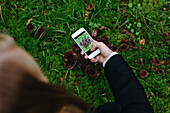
x=104 y=52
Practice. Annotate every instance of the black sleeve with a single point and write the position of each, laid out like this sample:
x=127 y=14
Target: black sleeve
x=126 y=88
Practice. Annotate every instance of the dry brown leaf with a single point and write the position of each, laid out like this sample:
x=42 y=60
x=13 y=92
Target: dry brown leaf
x=29 y=20
x=35 y=16
x=142 y=42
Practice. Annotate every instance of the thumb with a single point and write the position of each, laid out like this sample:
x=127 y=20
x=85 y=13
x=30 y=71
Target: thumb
x=95 y=45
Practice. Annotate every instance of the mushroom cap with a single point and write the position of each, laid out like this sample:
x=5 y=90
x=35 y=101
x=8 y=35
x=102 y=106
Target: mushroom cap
x=92 y=71
x=133 y=44
x=123 y=41
x=155 y=68
x=71 y=59
x=114 y=48
x=90 y=6
x=143 y=73
x=151 y=61
x=75 y=47
x=161 y=71
x=139 y=61
x=123 y=47
x=105 y=40
x=41 y=32
x=81 y=62
x=157 y=62
x=30 y=27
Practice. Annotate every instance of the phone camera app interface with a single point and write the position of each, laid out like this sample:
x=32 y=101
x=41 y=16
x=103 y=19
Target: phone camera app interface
x=84 y=41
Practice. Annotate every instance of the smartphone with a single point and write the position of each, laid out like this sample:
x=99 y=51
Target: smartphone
x=85 y=41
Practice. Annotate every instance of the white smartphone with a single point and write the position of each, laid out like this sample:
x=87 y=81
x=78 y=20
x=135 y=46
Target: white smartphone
x=85 y=41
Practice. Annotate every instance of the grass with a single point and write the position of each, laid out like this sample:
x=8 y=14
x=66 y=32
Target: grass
x=64 y=17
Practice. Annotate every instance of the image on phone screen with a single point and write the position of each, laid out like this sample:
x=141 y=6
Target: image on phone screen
x=85 y=42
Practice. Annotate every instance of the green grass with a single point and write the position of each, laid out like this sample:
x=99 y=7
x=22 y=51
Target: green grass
x=64 y=17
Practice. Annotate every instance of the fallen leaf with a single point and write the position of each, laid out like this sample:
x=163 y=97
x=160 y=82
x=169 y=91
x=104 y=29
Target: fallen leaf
x=29 y=20
x=142 y=42
x=35 y=16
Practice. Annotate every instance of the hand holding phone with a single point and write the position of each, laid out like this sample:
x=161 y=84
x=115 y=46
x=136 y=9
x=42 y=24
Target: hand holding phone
x=104 y=52
x=85 y=41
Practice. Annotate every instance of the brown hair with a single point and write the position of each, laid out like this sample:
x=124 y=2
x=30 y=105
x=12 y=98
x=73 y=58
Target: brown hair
x=21 y=92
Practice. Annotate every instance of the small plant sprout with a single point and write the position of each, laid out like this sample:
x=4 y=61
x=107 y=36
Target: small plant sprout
x=139 y=24
x=130 y=5
x=132 y=30
x=139 y=6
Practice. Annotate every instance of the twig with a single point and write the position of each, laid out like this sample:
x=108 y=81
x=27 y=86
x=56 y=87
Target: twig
x=155 y=22
x=134 y=67
x=136 y=17
x=152 y=21
x=162 y=27
x=132 y=55
x=149 y=27
x=2 y=17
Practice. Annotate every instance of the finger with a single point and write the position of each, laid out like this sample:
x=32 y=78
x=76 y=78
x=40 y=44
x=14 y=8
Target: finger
x=97 y=58
x=82 y=53
x=86 y=57
x=92 y=60
x=95 y=45
x=95 y=41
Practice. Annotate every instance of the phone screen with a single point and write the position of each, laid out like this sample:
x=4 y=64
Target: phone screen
x=85 y=42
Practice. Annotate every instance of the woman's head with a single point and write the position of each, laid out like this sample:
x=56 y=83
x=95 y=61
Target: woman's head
x=10 y=52
x=24 y=89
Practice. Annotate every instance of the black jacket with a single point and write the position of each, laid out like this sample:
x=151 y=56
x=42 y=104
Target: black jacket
x=129 y=94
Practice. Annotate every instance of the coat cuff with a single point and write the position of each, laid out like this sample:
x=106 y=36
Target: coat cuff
x=112 y=54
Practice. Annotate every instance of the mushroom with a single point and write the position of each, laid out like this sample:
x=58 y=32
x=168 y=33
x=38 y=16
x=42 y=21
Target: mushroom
x=143 y=73
x=157 y=62
x=114 y=48
x=92 y=71
x=139 y=61
x=41 y=32
x=75 y=47
x=123 y=47
x=81 y=62
x=132 y=44
x=105 y=40
x=161 y=71
x=123 y=41
x=30 y=28
x=90 y=6
x=155 y=68
x=71 y=59
x=151 y=61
